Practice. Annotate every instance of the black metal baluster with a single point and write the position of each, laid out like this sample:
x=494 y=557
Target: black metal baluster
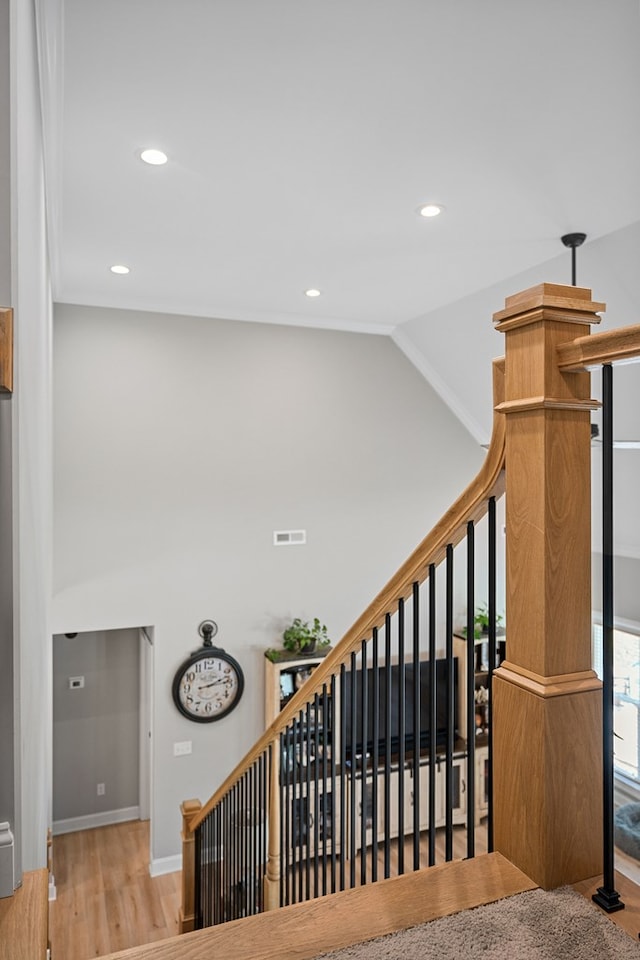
x=242 y=846
x=205 y=870
x=197 y=886
x=417 y=729
x=296 y=814
x=230 y=831
x=213 y=867
x=308 y=824
x=236 y=849
x=492 y=661
x=353 y=715
x=226 y=862
x=375 y=760
x=333 y=746
x=328 y=837
x=471 y=703
x=433 y=715
x=203 y=874
x=264 y=809
x=318 y=795
x=364 y=707
x=229 y=858
x=450 y=707
x=343 y=773
x=387 y=745
x=257 y=806
x=402 y=731
x=252 y=818
x=607 y=896
x=285 y=815
x=217 y=887
x=245 y=830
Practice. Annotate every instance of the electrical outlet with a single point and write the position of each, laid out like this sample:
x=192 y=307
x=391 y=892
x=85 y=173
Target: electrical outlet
x=76 y=683
x=182 y=749
x=101 y=790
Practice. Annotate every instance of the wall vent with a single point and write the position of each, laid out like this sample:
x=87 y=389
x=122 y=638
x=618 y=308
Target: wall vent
x=289 y=538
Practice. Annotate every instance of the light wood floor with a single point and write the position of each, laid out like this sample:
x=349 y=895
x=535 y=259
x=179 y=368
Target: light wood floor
x=106 y=900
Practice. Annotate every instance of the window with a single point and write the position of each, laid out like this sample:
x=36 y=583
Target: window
x=626 y=694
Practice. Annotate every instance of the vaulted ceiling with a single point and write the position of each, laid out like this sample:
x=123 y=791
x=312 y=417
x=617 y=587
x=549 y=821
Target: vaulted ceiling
x=303 y=136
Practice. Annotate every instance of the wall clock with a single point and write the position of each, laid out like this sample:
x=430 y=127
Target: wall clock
x=210 y=683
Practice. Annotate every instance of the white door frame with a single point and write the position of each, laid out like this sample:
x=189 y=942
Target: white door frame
x=146 y=714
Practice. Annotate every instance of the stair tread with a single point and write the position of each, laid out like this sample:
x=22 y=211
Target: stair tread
x=305 y=930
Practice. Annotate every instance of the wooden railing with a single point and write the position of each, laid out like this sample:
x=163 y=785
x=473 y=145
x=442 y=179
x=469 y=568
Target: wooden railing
x=546 y=699
x=469 y=508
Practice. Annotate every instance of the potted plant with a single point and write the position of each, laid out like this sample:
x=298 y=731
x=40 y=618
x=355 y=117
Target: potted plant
x=304 y=637
x=481 y=621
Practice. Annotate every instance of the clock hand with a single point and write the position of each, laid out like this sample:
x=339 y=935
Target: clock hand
x=204 y=686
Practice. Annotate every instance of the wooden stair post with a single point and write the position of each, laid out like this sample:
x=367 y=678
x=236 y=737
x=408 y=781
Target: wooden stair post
x=188 y=808
x=272 y=876
x=547 y=700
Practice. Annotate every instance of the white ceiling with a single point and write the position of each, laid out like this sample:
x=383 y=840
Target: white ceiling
x=304 y=134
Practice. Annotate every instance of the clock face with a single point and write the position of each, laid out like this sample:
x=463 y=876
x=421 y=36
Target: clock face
x=208 y=685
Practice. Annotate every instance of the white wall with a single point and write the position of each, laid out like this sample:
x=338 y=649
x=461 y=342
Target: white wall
x=181 y=444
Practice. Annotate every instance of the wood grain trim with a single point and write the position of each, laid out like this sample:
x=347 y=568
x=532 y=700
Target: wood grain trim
x=610 y=346
x=24 y=919
x=306 y=930
x=6 y=350
x=470 y=505
x=561 y=685
x=547 y=403
x=564 y=302
x=548 y=313
x=545 y=292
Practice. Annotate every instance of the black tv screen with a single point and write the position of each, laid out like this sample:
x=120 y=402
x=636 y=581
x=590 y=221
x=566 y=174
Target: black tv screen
x=361 y=741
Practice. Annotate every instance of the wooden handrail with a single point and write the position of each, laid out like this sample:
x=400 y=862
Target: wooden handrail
x=451 y=529
x=610 y=346
x=6 y=350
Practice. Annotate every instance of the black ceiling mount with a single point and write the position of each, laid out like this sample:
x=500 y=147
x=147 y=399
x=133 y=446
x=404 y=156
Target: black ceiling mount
x=573 y=240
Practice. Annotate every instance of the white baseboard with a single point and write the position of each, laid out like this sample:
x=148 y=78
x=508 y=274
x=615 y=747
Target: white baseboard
x=157 y=868
x=95 y=820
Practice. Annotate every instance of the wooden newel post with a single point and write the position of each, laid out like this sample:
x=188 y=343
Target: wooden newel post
x=272 y=876
x=547 y=700
x=189 y=808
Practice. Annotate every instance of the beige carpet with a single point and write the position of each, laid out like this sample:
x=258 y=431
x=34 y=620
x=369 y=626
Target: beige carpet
x=538 y=925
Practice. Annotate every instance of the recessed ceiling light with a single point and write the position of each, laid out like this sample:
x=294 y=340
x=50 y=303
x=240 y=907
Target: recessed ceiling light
x=312 y=293
x=119 y=268
x=154 y=157
x=430 y=210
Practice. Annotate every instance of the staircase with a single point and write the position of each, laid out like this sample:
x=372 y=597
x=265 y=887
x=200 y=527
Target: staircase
x=545 y=701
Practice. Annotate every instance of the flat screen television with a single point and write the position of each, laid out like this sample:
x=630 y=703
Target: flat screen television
x=355 y=745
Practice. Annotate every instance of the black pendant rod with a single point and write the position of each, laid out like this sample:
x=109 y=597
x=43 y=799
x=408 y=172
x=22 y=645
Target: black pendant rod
x=573 y=240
